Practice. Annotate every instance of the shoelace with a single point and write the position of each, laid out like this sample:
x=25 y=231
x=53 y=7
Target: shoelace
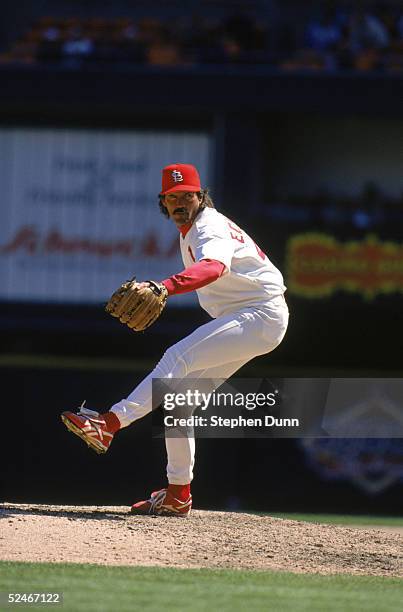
x=156 y=501
x=87 y=412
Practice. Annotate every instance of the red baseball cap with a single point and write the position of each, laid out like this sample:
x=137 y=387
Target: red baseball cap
x=180 y=177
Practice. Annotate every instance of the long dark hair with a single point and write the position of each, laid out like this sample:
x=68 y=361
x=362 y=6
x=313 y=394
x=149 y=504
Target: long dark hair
x=204 y=197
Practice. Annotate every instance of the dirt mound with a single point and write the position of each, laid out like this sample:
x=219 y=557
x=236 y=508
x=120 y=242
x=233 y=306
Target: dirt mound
x=111 y=536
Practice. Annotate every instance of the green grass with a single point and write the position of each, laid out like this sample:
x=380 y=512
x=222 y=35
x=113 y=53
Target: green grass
x=341 y=519
x=97 y=588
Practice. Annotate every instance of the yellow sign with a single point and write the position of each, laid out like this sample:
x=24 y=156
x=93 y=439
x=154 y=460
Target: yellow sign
x=318 y=265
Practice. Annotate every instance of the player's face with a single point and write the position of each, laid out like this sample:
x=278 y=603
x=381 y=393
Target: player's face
x=182 y=206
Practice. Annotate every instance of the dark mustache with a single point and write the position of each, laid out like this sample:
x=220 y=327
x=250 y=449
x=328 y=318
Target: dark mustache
x=180 y=209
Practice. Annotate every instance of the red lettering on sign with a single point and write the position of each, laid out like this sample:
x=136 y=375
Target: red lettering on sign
x=25 y=239
x=55 y=242
x=28 y=239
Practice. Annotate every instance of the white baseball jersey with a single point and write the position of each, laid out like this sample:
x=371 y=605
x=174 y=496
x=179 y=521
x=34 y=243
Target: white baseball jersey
x=249 y=277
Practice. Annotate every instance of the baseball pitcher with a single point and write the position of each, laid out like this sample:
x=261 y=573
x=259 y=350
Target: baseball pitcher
x=240 y=289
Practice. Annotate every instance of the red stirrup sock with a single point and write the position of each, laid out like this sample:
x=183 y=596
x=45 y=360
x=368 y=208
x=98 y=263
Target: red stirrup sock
x=181 y=492
x=112 y=422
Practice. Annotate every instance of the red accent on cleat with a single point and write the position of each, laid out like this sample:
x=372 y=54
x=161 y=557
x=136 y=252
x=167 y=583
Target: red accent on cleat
x=90 y=426
x=163 y=503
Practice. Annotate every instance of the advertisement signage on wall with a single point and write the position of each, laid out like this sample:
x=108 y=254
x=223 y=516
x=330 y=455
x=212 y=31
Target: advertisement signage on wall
x=318 y=265
x=80 y=210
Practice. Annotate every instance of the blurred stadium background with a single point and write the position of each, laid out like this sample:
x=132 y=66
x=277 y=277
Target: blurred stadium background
x=293 y=113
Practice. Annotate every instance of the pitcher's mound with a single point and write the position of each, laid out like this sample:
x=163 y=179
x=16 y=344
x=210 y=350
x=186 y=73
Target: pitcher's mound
x=111 y=536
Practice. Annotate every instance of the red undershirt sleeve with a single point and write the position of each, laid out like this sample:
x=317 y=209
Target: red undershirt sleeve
x=194 y=277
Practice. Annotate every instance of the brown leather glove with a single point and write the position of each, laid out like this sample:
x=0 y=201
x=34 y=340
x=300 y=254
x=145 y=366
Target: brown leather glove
x=138 y=305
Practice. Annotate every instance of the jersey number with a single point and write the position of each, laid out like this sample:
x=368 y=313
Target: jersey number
x=236 y=234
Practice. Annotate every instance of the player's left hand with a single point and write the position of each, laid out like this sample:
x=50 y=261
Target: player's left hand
x=138 y=305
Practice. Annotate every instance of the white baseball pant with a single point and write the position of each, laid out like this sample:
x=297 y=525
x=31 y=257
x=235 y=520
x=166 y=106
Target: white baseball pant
x=214 y=350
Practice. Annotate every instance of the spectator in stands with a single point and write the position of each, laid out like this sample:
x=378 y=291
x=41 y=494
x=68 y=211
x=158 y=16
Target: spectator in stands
x=324 y=32
x=393 y=59
x=244 y=40
x=21 y=52
x=50 y=29
x=366 y=31
x=164 y=50
x=389 y=17
x=393 y=62
x=200 y=38
x=322 y=35
x=52 y=34
x=239 y=39
x=309 y=60
x=367 y=60
x=366 y=40
x=112 y=42
x=132 y=48
x=25 y=50
x=77 y=44
x=246 y=32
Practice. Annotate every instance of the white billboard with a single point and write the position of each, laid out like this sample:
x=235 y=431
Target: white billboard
x=79 y=210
